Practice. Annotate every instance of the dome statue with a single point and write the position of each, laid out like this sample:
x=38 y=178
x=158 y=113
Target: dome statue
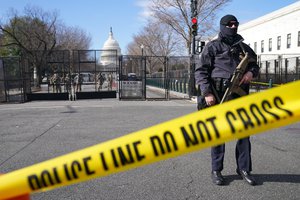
x=111 y=50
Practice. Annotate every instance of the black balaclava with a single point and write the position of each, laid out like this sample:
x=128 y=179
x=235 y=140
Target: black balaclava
x=226 y=32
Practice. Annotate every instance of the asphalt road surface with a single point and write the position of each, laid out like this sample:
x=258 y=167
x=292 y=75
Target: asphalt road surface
x=37 y=131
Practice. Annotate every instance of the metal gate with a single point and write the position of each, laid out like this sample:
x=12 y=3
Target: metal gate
x=98 y=73
x=47 y=72
x=132 y=78
x=178 y=77
x=71 y=75
x=154 y=77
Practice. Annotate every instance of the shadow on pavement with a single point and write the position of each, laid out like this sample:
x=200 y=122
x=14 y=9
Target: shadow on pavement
x=264 y=178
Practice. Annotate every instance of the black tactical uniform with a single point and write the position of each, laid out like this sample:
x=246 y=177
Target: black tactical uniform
x=218 y=61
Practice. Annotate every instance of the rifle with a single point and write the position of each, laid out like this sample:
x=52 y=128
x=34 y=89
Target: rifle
x=234 y=84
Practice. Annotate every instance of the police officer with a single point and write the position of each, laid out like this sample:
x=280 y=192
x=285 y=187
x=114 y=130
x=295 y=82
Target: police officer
x=218 y=61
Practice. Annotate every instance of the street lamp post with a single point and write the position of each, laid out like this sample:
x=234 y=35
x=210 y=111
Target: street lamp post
x=142 y=47
x=143 y=68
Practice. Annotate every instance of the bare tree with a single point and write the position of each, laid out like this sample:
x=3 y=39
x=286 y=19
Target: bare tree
x=177 y=15
x=70 y=38
x=36 y=35
x=32 y=35
x=35 y=30
x=157 y=40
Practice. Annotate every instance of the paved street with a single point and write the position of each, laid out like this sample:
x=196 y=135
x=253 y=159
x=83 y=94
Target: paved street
x=36 y=131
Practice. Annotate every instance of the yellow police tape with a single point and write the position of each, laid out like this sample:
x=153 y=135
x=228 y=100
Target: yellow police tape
x=235 y=119
x=266 y=84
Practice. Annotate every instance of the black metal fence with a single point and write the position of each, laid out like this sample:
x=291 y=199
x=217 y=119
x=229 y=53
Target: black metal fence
x=132 y=75
x=174 y=78
x=12 y=80
x=154 y=77
x=279 y=68
x=276 y=69
x=100 y=74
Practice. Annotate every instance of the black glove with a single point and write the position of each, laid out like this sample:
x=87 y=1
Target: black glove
x=201 y=103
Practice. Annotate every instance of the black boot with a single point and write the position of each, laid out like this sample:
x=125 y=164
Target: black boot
x=246 y=176
x=217 y=178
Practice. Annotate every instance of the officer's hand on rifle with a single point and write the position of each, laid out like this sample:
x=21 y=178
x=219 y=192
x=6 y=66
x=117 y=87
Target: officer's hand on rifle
x=210 y=99
x=247 y=78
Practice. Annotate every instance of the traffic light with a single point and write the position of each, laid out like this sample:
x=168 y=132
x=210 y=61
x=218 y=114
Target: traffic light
x=194 y=26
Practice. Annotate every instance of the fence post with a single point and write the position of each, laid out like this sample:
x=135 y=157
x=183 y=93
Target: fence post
x=184 y=86
x=270 y=83
x=180 y=86
x=297 y=68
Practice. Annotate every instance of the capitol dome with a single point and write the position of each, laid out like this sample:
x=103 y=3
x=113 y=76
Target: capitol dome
x=111 y=50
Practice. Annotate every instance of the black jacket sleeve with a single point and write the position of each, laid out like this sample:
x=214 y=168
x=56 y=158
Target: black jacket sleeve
x=203 y=70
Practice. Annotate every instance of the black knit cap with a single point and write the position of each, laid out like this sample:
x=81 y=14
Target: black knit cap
x=227 y=18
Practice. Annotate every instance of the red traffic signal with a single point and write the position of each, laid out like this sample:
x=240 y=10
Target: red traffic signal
x=194 y=26
x=194 y=20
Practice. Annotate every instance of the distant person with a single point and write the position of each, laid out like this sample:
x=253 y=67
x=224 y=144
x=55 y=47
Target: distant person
x=55 y=82
x=52 y=83
x=100 y=81
x=67 y=80
x=109 y=81
x=218 y=61
x=69 y=87
x=78 y=79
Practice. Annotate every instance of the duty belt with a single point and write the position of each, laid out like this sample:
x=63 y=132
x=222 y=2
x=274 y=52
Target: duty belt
x=221 y=84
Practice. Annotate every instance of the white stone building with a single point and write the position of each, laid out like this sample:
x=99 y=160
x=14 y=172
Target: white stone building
x=110 y=51
x=275 y=38
x=108 y=63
